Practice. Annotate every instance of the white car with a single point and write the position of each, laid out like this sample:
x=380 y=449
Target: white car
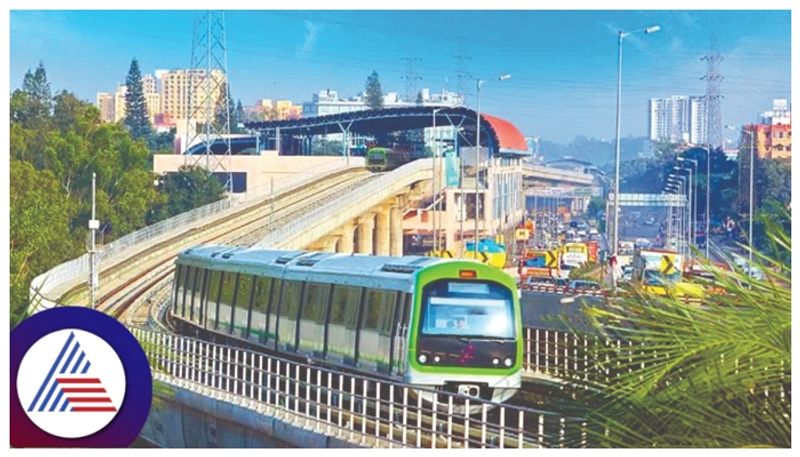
x=593 y=231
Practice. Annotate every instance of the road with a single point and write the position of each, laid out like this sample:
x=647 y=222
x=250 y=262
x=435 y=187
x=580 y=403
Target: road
x=632 y=224
x=545 y=310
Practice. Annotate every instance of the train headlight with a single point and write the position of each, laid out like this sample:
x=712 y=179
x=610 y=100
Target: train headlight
x=495 y=361
x=508 y=362
x=436 y=359
x=422 y=358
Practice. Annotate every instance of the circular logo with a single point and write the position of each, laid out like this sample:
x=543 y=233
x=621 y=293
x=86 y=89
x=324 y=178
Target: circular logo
x=79 y=379
x=71 y=371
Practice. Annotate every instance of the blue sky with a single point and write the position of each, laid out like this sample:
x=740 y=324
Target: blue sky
x=563 y=63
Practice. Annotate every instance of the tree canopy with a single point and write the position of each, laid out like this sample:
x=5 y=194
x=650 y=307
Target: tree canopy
x=56 y=145
x=374 y=93
x=137 y=119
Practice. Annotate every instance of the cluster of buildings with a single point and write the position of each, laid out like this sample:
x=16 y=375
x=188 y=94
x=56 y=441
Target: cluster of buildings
x=681 y=119
x=328 y=101
x=677 y=119
x=166 y=94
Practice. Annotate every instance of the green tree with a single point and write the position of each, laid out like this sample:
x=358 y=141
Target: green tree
x=238 y=116
x=40 y=230
x=137 y=119
x=224 y=110
x=696 y=376
x=32 y=104
x=374 y=93
x=189 y=188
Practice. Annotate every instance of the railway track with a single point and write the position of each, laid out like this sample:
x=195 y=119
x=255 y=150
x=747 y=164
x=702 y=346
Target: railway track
x=136 y=275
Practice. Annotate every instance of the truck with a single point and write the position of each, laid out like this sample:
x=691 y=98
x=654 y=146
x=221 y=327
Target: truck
x=660 y=271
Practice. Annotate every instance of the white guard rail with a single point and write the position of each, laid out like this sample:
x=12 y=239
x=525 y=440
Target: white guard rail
x=365 y=411
x=70 y=271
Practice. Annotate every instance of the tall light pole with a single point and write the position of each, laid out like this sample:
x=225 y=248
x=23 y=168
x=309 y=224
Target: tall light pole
x=434 y=187
x=683 y=187
x=695 y=167
x=479 y=82
x=622 y=34
x=750 y=203
x=689 y=224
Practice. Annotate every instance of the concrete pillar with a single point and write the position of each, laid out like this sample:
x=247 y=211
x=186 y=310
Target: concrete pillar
x=366 y=224
x=382 y=231
x=396 y=231
x=346 y=240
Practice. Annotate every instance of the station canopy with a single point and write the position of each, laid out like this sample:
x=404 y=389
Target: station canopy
x=500 y=135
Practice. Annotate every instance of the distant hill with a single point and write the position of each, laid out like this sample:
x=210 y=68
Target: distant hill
x=599 y=152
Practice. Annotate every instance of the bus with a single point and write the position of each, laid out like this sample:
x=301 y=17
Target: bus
x=574 y=255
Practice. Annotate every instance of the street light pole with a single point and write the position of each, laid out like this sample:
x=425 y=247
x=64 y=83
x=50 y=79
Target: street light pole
x=480 y=82
x=689 y=224
x=434 y=187
x=477 y=159
x=750 y=192
x=695 y=167
x=621 y=35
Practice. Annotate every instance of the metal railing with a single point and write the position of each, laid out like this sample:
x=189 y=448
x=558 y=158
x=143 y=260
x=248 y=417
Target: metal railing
x=72 y=270
x=587 y=359
x=317 y=223
x=361 y=410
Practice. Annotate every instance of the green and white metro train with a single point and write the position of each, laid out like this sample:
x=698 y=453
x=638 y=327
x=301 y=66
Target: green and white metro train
x=452 y=325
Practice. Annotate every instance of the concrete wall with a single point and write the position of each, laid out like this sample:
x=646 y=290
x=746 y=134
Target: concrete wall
x=181 y=418
x=259 y=168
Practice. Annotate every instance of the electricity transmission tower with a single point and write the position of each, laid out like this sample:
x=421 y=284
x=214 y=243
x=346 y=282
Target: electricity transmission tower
x=411 y=77
x=208 y=120
x=713 y=96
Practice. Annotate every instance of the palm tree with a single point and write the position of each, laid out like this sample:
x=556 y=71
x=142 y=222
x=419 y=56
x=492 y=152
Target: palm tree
x=689 y=375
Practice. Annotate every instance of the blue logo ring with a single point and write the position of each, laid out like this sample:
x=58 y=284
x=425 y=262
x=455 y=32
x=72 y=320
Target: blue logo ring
x=126 y=425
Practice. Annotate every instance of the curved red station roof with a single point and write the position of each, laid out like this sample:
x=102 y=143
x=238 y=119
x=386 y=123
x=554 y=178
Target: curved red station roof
x=508 y=135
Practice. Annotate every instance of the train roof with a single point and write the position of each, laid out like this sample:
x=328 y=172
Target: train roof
x=385 y=272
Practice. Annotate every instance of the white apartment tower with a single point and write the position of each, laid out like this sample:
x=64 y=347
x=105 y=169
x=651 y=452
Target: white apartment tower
x=669 y=119
x=697 y=120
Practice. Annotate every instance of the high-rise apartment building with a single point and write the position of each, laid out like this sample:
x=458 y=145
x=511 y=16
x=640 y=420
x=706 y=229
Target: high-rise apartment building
x=119 y=102
x=669 y=119
x=697 y=119
x=105 y=103
x=175 y=92
x=677 y=119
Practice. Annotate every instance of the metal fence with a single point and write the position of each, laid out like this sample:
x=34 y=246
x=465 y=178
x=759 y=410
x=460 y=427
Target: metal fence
x=587 y=359
x=70 y=271
x=361 y=410
x=317 y=223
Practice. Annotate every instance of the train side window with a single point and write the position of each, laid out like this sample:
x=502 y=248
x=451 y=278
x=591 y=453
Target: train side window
x=226 y=294
x=194 y=310
x=312 y=318
x=374 y=340
x=290 y=305
x=397 y=341
x=177 y=294
x=272 y=316
x=242 y=311
x=212 y=308
x=203 y=299
x=343 y=323
x=187 y=290
x=258 y=315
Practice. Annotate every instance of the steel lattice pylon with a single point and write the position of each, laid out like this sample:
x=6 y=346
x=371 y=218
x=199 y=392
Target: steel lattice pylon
x=206 y=122
x=712 y=99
